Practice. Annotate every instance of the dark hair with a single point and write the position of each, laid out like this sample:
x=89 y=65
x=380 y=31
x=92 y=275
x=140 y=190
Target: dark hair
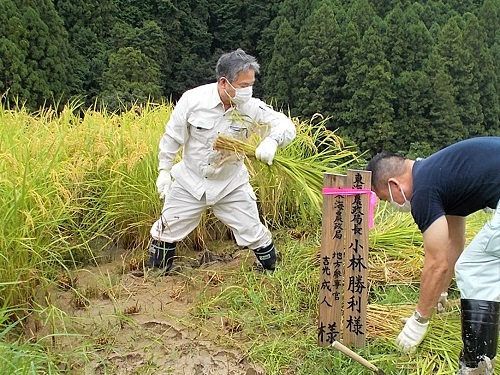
x=383 y=166
x=232 y=63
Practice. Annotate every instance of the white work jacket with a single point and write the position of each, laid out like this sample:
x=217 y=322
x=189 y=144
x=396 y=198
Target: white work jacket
x=196 y=121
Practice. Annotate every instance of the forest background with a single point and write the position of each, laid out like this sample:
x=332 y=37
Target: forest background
x=411 y=76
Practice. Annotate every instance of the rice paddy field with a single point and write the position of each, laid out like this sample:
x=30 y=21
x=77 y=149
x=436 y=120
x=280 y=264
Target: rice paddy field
x=78 y=198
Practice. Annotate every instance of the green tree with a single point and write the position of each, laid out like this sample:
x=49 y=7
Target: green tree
x=281 y=73
x=434 y=12
x=484 y=75
x=131 y=77
x=90 y=25
x=237 y=23
x=13 y=52
x=489 y=18
x=444 y=115
x=370 y=112
x=408 y=40
x=495 y=55
x=149 y=39
x=295 y=12
x=40 y=68
x=189 y=60
x=459 y=65
x=412 y=105
x=318 y=68
x=349 y=42
x=363 y=15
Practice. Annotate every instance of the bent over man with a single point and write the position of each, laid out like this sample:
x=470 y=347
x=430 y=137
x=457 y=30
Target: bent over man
x=441 y=191
x=206 y=177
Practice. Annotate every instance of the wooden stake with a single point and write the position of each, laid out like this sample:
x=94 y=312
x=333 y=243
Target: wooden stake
x=331 y=262
x=356 y=260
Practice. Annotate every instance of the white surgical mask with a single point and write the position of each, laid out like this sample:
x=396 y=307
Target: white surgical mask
x=242 y=95
x=405 y=207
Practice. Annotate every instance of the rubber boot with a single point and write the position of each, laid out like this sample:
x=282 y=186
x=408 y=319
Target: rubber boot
x=480 y=323
x=161 y=255
x=485 y=367
x=266 y=256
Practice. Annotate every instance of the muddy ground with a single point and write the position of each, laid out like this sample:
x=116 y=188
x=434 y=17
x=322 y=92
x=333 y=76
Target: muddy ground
x=138 y=323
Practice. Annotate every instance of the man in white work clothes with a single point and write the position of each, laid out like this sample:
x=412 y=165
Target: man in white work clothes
x=206 y=177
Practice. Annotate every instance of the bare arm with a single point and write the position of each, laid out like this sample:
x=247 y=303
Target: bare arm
x=443 y=244
x=456 y=228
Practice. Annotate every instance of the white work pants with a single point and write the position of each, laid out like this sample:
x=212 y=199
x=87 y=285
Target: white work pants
x=238 y=210
x=478 y=268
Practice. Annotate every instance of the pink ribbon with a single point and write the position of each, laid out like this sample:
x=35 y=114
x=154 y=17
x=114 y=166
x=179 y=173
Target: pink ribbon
x=373 y=198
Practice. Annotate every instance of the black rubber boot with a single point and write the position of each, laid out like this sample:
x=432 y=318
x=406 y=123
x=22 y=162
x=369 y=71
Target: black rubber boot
x=266 y=256
x=161 y=255
x=480 y=320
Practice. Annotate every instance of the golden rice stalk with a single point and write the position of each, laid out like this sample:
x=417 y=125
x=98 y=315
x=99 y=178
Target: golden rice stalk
x=399 y=271
x=295 y=178
x=303 y=172
x=385 y=321
x=240 y=148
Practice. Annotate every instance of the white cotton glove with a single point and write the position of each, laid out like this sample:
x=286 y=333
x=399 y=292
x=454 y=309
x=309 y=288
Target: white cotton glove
x=266 y=150
x=412 y=335
x=442 y=303
x=163 y=183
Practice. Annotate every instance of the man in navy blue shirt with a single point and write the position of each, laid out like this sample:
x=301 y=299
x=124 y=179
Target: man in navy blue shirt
x=440 y=191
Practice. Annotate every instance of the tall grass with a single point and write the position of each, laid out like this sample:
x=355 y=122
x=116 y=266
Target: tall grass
x=69 y=180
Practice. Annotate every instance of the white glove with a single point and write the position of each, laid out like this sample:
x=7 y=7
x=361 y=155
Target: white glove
x=412 y=334
x=443 y=301
x=266 y=150
x=163 y=183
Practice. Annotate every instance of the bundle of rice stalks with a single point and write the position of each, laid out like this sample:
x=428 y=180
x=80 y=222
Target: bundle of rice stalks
x=302 y=172
x=437 y=354
x=385 y=320
x=290 y=189
x=395 y=234
x=397 y=271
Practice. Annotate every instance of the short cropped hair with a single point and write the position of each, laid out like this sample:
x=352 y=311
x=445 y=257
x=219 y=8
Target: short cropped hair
x=232 y=63
x=384 y=166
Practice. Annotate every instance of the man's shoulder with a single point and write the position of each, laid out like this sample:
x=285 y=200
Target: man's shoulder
x=257 y=106
x=201 y=96
x=202 y=89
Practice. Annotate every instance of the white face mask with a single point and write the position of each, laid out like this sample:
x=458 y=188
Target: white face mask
x=242 y=95
x=405 y=207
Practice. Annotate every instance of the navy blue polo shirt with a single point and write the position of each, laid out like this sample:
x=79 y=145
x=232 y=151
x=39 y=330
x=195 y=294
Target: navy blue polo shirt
x=457 y=180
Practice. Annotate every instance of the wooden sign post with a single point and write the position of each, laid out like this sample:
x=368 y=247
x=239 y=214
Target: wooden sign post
x=331 y=262
x=343 y=294
x=356 y=260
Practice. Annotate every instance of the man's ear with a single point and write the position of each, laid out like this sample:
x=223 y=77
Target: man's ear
x=395 y=182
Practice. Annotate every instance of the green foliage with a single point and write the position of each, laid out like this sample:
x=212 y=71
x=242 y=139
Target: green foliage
x=132 y=78
x=475 y=40
x=371 y=112
x=459 y=65
x=318 y=69
x=443 y=113
x=35 y=67
x=282 y=69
